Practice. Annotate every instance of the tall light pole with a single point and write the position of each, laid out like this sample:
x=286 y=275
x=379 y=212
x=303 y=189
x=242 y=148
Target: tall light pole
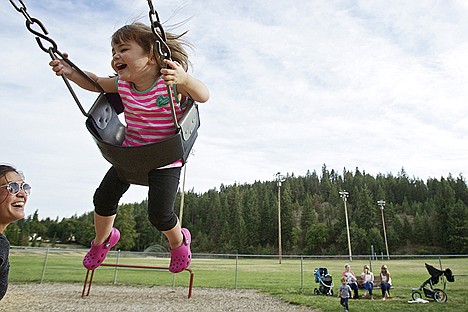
x=381 y=203
x=344 y=195
x=279 y=179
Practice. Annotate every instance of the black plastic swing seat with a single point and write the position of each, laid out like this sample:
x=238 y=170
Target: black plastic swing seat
x=133 y=163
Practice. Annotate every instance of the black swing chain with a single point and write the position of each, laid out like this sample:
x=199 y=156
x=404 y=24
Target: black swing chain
x=163 y=49
x=164 y=52
x=30 y=21
x=52 y=50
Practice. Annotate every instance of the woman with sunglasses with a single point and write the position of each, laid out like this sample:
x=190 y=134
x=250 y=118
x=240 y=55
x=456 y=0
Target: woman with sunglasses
x=386 y=282
x=14 y=194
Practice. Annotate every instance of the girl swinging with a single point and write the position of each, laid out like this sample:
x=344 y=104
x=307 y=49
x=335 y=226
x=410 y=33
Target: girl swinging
x=141 y=81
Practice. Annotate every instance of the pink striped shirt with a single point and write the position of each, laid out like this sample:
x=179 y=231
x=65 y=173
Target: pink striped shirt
x=148 y=114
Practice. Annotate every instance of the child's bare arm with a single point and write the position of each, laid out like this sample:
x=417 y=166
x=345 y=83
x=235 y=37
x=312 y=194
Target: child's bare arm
x=61 y=67
x=186 y=85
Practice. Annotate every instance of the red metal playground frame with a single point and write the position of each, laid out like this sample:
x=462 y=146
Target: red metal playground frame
x=130 y=266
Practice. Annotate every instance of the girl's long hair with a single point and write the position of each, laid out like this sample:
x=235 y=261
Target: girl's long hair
x=144 y=37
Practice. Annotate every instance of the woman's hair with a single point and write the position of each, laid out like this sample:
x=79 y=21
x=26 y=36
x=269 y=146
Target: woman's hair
x=4 y=169
x=144 y=37
x=384 y=267
x=366 y=267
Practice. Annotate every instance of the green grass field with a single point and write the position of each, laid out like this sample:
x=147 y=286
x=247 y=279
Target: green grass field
x=292 y=280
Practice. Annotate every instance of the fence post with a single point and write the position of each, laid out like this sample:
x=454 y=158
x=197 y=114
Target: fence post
x=302 y=273
x=237 y=268
x=115 y=270
x=45 y=265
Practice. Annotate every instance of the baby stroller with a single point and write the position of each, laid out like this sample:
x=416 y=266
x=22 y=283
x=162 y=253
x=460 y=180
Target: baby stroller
x=325 y=280
x=427 y=286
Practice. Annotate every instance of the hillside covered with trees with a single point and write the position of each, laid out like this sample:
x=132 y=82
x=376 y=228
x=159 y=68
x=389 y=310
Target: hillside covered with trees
x=420 y=217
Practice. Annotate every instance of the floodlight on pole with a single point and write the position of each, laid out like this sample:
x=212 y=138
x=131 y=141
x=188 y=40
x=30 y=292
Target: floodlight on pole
x=344 y=195
x=279 y=180
x=381 y=203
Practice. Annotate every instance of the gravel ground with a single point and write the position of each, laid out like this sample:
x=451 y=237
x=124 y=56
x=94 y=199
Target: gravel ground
x=67 y=297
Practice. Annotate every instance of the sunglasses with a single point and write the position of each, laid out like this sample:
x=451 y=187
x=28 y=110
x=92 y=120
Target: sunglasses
x=15 y=187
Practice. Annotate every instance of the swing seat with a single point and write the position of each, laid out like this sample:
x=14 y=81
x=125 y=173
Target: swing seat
x=133 y=163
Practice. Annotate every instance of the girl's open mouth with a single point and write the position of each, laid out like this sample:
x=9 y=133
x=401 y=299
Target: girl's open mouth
x=121 y=66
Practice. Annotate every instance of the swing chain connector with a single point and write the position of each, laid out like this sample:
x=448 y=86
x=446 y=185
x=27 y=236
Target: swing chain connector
x=52 y=50
x=30 y=21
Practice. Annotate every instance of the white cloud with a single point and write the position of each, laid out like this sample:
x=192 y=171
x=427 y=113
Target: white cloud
x=294 y=85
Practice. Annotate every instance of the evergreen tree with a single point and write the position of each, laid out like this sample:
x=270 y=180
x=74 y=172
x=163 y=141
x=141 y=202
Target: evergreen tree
x=457 y=229
x=13 y=233
x=420 y=217
x=125 y=222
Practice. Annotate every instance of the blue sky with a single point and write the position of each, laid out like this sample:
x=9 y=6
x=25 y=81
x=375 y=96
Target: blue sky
x=378 y=85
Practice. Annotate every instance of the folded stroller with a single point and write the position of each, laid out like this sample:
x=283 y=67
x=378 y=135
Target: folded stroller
x=325 y=280
x=427 y=286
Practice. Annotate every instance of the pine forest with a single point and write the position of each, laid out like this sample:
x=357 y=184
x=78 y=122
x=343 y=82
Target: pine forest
x=420 y=217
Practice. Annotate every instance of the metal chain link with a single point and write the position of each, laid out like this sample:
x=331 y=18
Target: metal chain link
x=30 y=21
x=21 y=9
x=163 y=49
x=164 y=52
x=52 y=50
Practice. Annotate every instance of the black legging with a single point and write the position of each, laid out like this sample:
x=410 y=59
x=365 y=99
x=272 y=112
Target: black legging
x=163 y=184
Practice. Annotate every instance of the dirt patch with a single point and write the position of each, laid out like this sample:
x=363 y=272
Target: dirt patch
x=67 y=297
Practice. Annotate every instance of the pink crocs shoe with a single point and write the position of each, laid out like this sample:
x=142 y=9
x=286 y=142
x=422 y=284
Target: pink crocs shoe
x=182 y=255
x=97 y=254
